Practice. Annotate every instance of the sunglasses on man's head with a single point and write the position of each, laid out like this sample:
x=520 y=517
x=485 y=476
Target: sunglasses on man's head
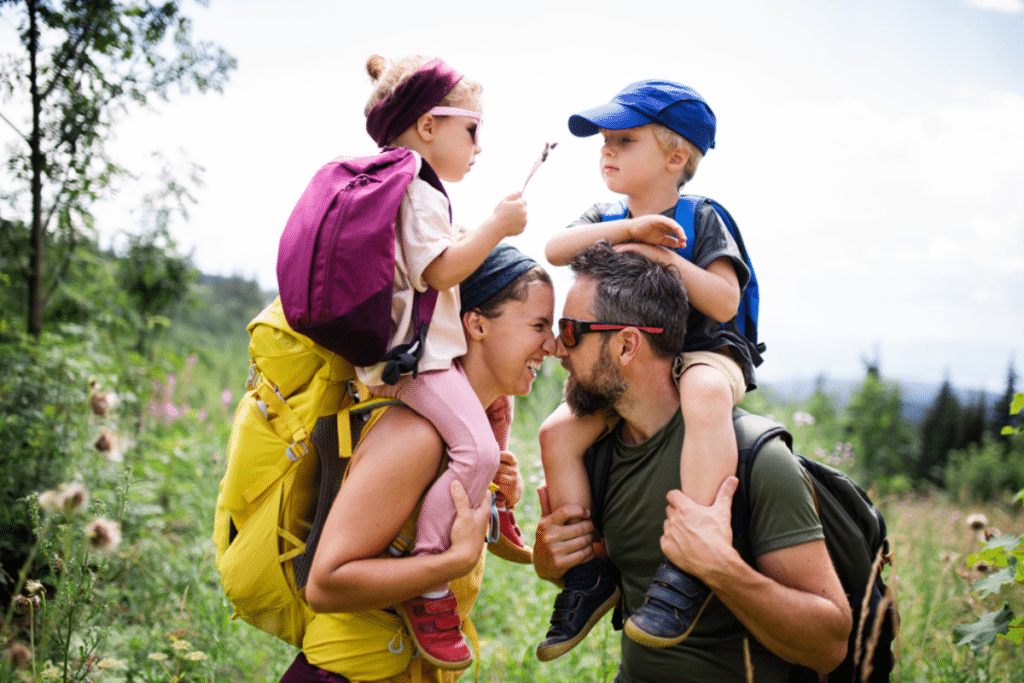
x=570 y=330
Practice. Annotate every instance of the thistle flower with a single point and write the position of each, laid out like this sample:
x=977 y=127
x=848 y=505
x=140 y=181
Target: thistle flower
x=976 y=521
x=33 y=587
x=548 y=146
x=72 y=498
x=103 y=535
x=48 y=501
x=101 y=402
x=18 y=654
x=110 y=443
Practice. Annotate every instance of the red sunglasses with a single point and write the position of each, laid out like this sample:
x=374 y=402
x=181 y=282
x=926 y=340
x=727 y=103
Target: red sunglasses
x=570 y=330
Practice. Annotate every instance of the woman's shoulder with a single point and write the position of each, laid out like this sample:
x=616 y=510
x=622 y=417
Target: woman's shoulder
x=399 y=422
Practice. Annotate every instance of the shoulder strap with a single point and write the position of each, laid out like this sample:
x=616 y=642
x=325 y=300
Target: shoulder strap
x=335 y=437
x=752 y=433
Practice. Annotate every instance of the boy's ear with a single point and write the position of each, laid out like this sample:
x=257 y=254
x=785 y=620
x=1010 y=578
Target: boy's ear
x=475 y=325
x=678 y=159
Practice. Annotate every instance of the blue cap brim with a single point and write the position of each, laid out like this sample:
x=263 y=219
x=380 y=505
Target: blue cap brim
x=611 y=116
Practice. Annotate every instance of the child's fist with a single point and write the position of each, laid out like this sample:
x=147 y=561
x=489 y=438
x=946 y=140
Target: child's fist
x=510 y=213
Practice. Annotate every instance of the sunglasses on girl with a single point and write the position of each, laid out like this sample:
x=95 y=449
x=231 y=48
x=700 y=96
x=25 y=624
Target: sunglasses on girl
x=455 y=111
x=570 y=330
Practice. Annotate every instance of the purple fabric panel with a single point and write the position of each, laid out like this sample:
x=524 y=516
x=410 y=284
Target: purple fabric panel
x=413 y=98
x=301 y=671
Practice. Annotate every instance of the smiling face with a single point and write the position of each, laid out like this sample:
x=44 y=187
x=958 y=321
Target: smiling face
x=514 y=344
x=633 y=161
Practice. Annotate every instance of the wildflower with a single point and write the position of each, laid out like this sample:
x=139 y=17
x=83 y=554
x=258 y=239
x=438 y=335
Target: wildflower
x=226 y=398
x=976 y=521
x=33 y=587
x=181 y=645
x=50 y=673
x=192 y=360
x=103 y=535
x=157 y=656
x=196 y=656
x=108 y=663
x=110 y=443
x=72 y=498
x=201 y=415
x=18 y=654
x=48 y=501
x=22 y=605
x=101 y=402
x=801 y=418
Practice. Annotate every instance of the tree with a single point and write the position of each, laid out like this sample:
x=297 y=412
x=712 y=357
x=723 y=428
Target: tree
x=1004 y=416
x=875 y=425
x=85 y=64
x=940 y=433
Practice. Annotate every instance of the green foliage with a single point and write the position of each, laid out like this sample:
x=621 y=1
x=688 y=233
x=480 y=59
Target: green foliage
x=881 y=439
x=81 y=67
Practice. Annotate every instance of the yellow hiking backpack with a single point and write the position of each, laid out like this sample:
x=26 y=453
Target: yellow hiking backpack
x=268 y=495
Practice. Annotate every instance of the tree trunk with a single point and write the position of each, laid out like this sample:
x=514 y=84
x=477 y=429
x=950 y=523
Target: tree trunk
x=35 y=275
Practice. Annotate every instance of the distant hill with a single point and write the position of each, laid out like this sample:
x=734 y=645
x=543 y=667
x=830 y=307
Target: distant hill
x=917 y=396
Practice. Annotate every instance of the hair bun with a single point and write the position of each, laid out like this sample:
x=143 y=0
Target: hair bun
x=376 y=66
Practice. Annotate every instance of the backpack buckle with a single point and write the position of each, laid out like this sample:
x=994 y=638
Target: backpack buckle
x=297 y=454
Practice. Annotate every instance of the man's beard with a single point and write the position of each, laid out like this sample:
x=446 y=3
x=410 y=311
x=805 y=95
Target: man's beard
x=606 y=387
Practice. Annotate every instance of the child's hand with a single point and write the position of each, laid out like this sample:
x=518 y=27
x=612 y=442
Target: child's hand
x=510 y=214
x=509 y=480
x=659 y=230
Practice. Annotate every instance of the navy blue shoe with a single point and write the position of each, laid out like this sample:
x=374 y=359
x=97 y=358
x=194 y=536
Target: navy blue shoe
x=673 y=604
x=576 y=612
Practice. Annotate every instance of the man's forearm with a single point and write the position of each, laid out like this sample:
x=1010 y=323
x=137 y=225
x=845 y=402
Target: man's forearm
x=801 y=627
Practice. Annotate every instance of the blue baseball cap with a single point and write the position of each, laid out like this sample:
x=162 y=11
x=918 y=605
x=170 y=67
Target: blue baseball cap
x=673 y=105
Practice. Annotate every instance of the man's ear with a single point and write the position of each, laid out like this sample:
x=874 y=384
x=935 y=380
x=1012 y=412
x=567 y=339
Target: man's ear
x=629 y=346
x=474 y=324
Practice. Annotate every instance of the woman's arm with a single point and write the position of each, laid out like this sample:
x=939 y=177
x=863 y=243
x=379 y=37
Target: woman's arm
x=390 y=470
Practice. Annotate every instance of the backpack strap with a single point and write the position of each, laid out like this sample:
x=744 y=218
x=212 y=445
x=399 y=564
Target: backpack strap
x=685 y=215
x=335 y=437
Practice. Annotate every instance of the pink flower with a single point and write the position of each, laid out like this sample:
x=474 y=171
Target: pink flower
x=226 y=398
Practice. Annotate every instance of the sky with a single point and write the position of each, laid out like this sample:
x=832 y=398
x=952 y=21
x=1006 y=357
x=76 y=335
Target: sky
x=872 y=152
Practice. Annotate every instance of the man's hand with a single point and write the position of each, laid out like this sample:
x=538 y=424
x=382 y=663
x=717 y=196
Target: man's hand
x=564 y=538
x=698 y=538
x=661 y=231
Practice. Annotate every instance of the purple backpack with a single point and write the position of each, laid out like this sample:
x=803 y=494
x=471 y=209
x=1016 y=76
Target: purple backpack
x=336 y=261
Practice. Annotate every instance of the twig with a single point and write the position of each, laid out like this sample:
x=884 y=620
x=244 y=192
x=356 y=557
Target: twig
x=548 y=146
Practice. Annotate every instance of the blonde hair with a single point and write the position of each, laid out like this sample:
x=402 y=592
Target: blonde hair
x=387 y=76
x=670 y=141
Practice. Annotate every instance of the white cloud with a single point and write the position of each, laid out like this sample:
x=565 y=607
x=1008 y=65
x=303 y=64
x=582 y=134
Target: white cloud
x=1007 y=6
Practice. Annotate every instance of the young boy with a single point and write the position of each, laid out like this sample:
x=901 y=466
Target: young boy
x=655 y=134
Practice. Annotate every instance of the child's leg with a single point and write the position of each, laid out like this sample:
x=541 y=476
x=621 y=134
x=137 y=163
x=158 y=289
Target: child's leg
x=446 y=398
x=709 y=445
x=589 y=592
x=564 y=438
x=710 y=385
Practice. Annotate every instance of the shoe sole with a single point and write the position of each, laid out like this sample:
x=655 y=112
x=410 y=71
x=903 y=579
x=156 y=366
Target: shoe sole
x=638 y=635
x=510 y=552
x=439 y=663
x=546 y=653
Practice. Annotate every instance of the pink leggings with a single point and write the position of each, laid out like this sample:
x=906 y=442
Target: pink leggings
x=446 y=398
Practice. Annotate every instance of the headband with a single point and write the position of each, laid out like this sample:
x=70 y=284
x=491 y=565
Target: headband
x=413 y=98
x=499 y=269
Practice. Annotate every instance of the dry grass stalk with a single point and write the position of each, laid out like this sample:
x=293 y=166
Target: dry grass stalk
x=748 y=663
x=876 y=630
x=875 y=568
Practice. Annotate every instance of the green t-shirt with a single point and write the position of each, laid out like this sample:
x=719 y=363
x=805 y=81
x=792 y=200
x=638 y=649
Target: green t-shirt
x=782 y=515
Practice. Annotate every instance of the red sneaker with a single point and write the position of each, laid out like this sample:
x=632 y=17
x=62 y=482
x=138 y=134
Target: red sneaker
x=435 y=626
x=509 y=545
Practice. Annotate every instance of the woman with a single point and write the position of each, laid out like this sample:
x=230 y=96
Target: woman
x=508 y=309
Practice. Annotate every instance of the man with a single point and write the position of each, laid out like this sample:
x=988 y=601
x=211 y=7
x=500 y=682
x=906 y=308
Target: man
x=792 y=603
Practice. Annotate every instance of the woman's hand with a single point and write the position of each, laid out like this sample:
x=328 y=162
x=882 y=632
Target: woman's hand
x=469 y=530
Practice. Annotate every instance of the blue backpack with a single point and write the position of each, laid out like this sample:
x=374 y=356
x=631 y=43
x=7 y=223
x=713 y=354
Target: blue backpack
x=688 y=210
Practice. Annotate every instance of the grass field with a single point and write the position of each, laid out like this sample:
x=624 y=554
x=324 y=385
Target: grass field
x=156 y=613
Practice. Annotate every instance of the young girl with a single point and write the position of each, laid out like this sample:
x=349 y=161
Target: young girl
x=429 y=108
